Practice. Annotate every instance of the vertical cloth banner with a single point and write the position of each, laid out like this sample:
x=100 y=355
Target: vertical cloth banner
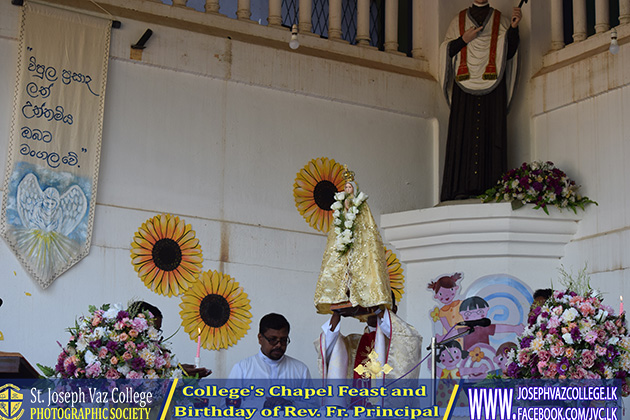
x=55 y=139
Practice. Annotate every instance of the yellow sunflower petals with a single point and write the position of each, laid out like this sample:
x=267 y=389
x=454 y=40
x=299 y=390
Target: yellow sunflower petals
x=315 y=171
x=239 y=317
x=308 y=178
x=171 y=225
x=166 y=226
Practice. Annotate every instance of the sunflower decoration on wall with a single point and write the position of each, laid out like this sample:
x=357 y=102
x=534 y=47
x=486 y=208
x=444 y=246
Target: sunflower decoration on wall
x=166 y=255
x=395 y=271
x=314 y=191
x=216 y=308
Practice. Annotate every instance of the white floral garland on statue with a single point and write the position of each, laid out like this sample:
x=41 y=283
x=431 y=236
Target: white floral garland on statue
x=344 y=220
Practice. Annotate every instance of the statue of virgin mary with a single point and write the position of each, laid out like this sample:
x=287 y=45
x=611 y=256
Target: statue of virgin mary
x=354 y=270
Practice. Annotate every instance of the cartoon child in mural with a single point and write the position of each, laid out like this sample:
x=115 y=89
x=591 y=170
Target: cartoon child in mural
x=453 y=359
x=501 y=358
x=476 y=309
x=445 y=291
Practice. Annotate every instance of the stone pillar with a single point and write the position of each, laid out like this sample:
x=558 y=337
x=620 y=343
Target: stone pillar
x=212 y=6
x=334 y=19
x=557 y=25
x=602 y=12
x=579 y=20
x=363 y=22
x=391 y=25
x=275 y=13
x=624 y=11
x=416 y=28
x=243 y=10
x=306 y=16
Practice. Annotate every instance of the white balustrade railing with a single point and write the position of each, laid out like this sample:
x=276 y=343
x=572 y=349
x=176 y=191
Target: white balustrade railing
x=579 y=20
x=602 y=16
x=275 y=13
x=335 y=16
x=624 y=11
x=580 y=30
x=363 y=22
x=212 y=6
x=557 y=25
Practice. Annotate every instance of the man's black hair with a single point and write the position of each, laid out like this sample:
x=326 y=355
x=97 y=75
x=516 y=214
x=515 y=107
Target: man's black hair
x=274 y=322
x=544 y=293
x=141 y=306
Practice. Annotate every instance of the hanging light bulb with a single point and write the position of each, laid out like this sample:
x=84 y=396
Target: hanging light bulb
x=294 y=43
x=614 y=45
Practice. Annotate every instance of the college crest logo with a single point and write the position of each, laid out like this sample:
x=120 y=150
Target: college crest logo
x=10 y=402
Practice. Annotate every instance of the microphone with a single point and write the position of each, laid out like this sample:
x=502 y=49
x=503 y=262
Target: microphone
x=483 y=322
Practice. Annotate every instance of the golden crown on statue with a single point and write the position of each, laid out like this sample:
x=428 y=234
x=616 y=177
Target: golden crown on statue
x=347 y=174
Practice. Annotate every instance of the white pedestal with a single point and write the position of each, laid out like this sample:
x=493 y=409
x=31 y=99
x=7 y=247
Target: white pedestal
x=485 y=230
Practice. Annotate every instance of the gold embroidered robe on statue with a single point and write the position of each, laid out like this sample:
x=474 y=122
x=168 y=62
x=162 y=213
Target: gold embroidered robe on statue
x=362 y=270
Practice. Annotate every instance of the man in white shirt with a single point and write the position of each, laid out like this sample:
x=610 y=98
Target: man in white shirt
x=271 y=362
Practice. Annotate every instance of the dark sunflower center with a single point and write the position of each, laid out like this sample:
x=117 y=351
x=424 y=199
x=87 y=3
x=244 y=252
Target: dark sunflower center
x=324 y=194
x=214 y=310
x=167 y=255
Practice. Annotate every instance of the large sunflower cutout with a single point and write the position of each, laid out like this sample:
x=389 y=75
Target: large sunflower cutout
x=314 y=191
x=166 y=255
x=217 y=308
x=396 y=277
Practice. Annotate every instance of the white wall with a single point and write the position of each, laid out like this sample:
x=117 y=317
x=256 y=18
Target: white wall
x=215 y=131
x=579 y=121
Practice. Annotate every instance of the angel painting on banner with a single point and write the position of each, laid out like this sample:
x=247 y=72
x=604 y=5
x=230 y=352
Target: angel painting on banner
x=44 y=223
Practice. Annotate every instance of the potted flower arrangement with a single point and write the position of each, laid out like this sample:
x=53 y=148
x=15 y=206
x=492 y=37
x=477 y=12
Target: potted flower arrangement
x=539 y=183
x=573 y=335
x=114 y=343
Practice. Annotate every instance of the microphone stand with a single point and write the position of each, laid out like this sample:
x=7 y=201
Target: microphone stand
x=433 y=347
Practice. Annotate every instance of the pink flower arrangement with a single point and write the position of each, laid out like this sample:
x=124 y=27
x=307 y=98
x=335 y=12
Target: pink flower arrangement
x=581 y=339
x=114 y=343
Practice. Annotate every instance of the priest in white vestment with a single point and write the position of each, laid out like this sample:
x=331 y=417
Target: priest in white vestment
x=396 y=344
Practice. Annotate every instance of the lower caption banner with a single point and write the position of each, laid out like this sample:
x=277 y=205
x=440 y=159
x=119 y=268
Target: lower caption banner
x=187 y=398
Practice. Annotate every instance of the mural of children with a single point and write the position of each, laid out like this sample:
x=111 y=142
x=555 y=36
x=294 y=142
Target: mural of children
x=445 y=290
x=476 y=308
